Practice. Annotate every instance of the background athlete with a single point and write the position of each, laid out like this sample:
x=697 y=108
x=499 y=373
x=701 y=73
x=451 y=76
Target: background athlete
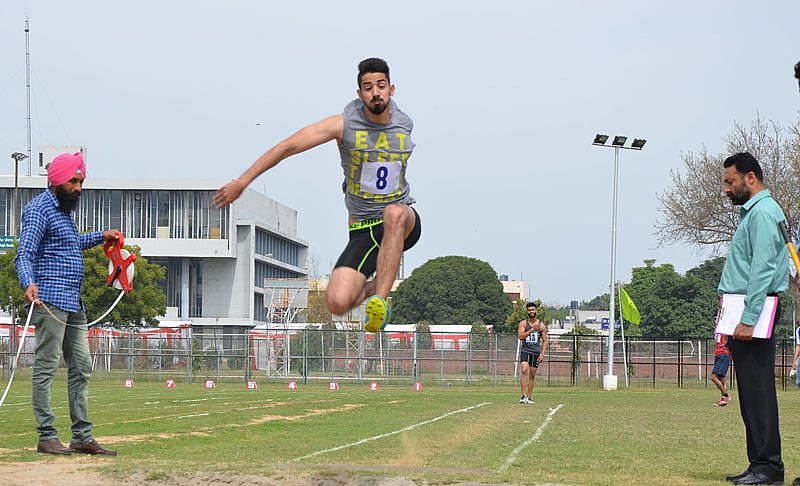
x=374 y=139
x=719 y=374
x=533 y=334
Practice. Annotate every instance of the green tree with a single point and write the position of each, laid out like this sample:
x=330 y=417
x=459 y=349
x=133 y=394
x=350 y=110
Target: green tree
x=601 y=302
x=451 y=290
x=140 y=307
x=582 y=330
x=137 y=308
x=14 y=300
x=665 y=300
x=479 y=336
x=580 y=347
x=693 y=209
x=310 y=347
x=520 y=312
x=423 y=335
x=673 y=305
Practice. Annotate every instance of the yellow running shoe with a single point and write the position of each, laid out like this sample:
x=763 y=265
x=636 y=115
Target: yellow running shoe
x=378 y=314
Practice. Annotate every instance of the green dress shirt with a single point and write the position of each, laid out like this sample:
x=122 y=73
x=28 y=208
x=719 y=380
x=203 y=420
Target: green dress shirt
x=758 y=260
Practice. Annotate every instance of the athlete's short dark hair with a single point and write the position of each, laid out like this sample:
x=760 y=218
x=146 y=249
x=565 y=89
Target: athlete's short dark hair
x=531 y=304
x=744 y=162
x=372 y=65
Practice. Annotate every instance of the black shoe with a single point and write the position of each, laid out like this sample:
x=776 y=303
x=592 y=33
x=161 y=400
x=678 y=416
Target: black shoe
x=734 y=477
x=757 y=478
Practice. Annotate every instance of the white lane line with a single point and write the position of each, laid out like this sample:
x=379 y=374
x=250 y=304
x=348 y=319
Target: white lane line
x=388 y=434
x=513 y=456
x=195 y=415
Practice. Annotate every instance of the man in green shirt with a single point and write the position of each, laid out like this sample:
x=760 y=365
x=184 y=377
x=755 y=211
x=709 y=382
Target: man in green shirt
x=757 y=266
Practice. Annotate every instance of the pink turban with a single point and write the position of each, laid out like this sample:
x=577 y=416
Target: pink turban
x=64 y=167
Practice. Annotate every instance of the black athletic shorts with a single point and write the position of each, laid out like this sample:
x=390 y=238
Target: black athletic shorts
x=531 y=358
x=361 y=252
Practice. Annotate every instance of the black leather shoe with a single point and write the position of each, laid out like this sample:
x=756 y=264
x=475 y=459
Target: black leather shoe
x=734 y=477
x=757 y=478
x=91 y=447
x=52 y=446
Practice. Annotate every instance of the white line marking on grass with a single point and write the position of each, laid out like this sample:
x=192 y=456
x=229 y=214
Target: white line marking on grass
x=195 y=415
x=388 y=434
x=513 y=456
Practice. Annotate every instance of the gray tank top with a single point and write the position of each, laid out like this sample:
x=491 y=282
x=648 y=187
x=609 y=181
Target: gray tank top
x=532 y=343
x=374 y=160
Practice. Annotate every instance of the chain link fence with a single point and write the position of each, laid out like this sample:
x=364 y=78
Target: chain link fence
x=390 y=358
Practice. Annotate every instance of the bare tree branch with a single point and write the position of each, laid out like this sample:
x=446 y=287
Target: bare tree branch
x=693 y=208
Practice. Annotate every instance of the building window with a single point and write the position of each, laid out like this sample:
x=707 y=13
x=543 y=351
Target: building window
x=265 y=271
x=171 y=285
x=147 y=214
x=277 y=247
x=195 y=288
x=259 y=312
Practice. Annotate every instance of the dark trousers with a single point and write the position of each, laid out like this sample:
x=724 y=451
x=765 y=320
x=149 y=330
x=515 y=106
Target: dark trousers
x=754 y=362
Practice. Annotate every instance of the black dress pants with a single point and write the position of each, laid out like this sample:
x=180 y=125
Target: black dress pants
x=754 y=362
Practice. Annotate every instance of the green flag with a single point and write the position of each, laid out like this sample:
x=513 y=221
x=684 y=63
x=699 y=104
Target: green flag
x=629 y=310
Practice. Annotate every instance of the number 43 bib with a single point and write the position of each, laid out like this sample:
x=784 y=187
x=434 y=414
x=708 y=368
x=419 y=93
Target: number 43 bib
x=381 y=177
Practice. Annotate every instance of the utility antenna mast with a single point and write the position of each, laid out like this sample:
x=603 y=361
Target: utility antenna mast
x=28 y=85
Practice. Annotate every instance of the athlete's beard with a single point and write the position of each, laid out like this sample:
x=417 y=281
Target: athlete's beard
x=379 y=108
x=67 y=200
x=739 y=196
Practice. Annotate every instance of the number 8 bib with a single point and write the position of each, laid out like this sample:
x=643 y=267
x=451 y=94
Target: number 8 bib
x=381 y=177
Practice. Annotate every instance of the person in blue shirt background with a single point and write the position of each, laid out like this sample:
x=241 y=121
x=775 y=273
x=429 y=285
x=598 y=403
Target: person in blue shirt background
x=49 y=265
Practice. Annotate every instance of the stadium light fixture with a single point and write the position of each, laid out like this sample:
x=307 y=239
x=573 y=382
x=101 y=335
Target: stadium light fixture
x=600 y=139
x=610 y=380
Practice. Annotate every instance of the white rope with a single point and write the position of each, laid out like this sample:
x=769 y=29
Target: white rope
x=119 y=297
x=16 y=358
x=25 y=332
x=108 y=311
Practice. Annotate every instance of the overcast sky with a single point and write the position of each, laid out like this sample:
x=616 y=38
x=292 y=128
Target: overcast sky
x=506 y=97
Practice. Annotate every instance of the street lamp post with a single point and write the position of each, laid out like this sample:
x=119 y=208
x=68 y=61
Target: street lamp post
x=18 y=157
x=610 y=379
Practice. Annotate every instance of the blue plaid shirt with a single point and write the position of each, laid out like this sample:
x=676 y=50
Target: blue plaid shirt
x=50 y=252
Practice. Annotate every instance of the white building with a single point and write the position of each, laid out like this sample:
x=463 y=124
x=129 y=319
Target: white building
x=217 y=260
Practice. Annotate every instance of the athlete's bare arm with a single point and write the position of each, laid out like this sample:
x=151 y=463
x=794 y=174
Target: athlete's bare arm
x=330 y=128
x=543 y=329
x=521 y=330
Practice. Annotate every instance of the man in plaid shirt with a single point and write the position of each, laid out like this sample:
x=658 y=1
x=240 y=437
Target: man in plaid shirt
x=49 y=264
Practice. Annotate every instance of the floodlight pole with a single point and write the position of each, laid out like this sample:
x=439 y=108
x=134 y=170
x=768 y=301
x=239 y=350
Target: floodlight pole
x=610 y=380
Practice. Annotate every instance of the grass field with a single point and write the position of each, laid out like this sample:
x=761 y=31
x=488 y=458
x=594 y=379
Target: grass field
x=440 y=435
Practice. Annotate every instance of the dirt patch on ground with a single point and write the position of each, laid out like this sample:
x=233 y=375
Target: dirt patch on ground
x=117 y=439
x=206 y=430
x=311 y=413
x=81 y=471
x=66 y=472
